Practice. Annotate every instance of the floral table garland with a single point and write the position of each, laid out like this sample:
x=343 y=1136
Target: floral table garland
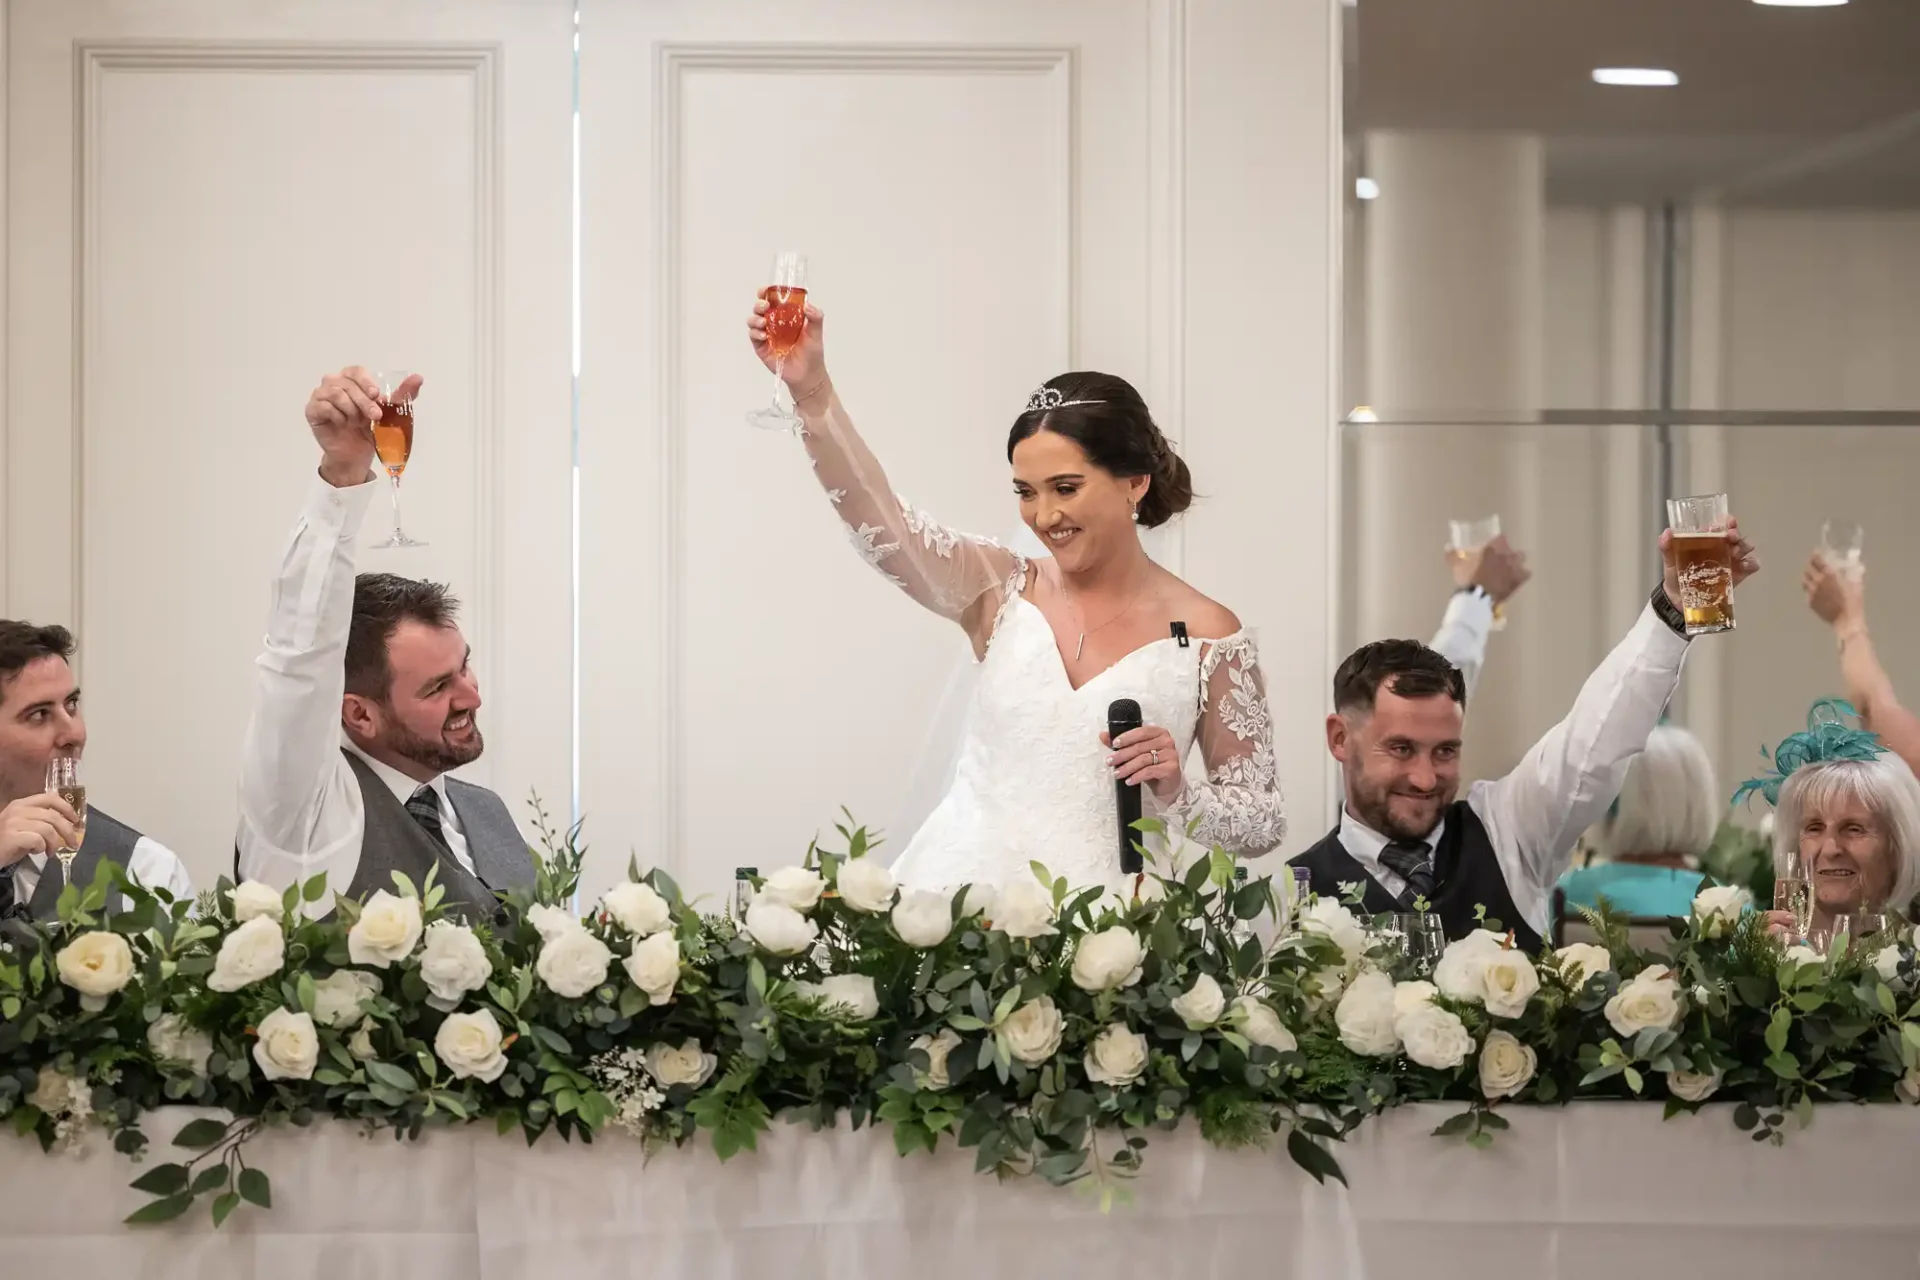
x=1048 y=1028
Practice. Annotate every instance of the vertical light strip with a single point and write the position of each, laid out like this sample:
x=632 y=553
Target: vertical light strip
x=574 y=602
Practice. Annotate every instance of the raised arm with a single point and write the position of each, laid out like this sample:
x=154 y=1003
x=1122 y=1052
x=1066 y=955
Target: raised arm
x=958 y=576
x=1239 y=807
x=1840 y=600
x=1482 y=582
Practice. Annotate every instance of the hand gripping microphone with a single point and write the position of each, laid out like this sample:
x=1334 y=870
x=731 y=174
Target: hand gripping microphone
x=1123 y=714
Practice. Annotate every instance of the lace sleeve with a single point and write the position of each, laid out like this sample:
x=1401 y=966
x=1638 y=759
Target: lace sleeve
x=1239 y=807
x=956 y=575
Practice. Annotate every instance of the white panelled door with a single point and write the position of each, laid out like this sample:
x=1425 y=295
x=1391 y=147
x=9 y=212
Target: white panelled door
x=209 y=206
x=990 y=193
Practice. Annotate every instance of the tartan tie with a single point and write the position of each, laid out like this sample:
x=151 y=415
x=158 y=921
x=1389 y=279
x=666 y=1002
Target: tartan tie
x=424 y=808
x=1408 y=860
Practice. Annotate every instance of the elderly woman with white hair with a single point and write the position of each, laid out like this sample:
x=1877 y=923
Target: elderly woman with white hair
x=1847 y=811
x=1648 y=848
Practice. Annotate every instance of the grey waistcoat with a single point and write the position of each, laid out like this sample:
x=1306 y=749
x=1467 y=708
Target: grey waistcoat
x=106 y=841
x=395 y=842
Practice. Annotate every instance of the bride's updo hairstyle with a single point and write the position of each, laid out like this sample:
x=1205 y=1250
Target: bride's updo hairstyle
x=1106 y=417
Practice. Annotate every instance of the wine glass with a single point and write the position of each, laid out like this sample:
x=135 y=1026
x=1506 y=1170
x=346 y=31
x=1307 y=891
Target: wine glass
x=393 y=441
x=1841 y=545
x=1793 y=891
x=1425 y=939
x=1466 y=540
x=63 y=780
x=786 y=322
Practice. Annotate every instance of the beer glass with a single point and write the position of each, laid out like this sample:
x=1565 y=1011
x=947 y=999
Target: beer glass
x=1841 y=544
x=63 y=780
x=1703 y=561
x=393 y=441
x=786 y=321
x=1466 y=540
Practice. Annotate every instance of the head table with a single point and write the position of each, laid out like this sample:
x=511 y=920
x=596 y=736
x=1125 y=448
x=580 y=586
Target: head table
x=1591 y=1190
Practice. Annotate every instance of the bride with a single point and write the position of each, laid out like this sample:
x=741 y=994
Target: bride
x=1059 y=637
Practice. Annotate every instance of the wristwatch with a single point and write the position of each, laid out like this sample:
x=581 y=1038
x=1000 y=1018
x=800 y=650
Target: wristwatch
x=1668 y=612
x=1474 y=589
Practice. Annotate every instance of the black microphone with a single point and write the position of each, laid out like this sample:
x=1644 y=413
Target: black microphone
x=1123 y=715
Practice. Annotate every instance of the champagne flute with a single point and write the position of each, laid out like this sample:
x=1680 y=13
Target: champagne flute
x=786 y=322
x=1467 y=540
x=393 y=441
x=1793 y=891
x=1841 y=545
x=63 y=780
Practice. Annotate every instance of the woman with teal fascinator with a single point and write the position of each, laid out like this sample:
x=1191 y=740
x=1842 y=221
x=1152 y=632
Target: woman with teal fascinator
x=1846 y=811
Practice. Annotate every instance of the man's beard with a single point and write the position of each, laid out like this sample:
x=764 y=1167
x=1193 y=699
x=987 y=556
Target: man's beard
x=1372 y=805
x=431 y=753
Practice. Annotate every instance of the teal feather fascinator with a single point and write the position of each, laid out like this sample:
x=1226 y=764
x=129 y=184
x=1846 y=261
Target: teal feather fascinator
x=1830 y=735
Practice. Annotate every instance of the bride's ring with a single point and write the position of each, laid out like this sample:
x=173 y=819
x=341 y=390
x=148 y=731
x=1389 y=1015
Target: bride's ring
x=1155 y=755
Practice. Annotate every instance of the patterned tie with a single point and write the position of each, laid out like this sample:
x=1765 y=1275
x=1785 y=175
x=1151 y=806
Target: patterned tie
x=424 y=807
x=1408 y=860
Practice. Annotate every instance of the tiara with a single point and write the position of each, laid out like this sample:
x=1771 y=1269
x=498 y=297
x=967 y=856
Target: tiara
x=1047 y=399
x=1828 y=736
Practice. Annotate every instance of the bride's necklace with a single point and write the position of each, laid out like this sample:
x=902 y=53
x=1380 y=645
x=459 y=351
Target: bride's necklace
x=1081 y=644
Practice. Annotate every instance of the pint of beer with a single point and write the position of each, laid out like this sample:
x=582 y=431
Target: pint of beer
x=1703 y=561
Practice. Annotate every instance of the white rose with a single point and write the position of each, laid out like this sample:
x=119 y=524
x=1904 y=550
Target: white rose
x=1693 y=1086
x=1117 y=1056
x=851 y=994
x=289 y=1047
x=1365 y=1016
x=1033 y=1031
x=1260 y=1024
x=256 y=950
x=1907 y=1087
x=794 y=887
x=1408 y=995
x=1023 y=909
x=1505 y=1066
x=1327 y=917
x=1582 y=961
x=337 y=997
x=1718 y=907
x=1802 y=954
x=1651 y=999
x=551 y=921
x=361 y=1044
x=172 y=1040
x=687 y=1065
x=780 y=930
x=52 y=1092
x=1461 y=972
x=251 y=898
x=1510 y=981
x=1323 y=987
x=654 y=967
x=573 y=963
x=469 y=1043
x=866 y=886
x=1202 y=1004
x=1108 y=959
x=1433 y=1037
x=96 y=964
x=453 y=962
x=936 y=1048
x=637 y=908
x=386 y=932
x=923 y=919
x=978 y=900
x=1887 y=964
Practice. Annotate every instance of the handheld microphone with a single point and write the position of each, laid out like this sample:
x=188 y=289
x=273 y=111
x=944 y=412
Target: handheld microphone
x=1123 y=714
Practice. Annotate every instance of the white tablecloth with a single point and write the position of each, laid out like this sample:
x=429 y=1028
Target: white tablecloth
x=1600 y=1190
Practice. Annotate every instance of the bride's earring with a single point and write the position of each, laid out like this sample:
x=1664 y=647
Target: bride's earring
x=1136 y=513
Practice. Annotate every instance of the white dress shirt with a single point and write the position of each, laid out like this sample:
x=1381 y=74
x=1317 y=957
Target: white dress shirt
x=151 y=863
x=300 y=808
x=1463 y=633
x=1567 y=780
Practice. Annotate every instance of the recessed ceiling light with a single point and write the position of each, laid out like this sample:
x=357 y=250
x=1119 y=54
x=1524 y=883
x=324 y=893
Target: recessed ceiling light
x=1366 y=188
x=1653 y=77
x=1802 y=4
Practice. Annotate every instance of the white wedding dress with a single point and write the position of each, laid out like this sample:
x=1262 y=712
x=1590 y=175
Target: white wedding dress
x=1031 y=782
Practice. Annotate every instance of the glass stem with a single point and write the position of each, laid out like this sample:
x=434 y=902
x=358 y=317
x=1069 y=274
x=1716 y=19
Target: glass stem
x=395 y=478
